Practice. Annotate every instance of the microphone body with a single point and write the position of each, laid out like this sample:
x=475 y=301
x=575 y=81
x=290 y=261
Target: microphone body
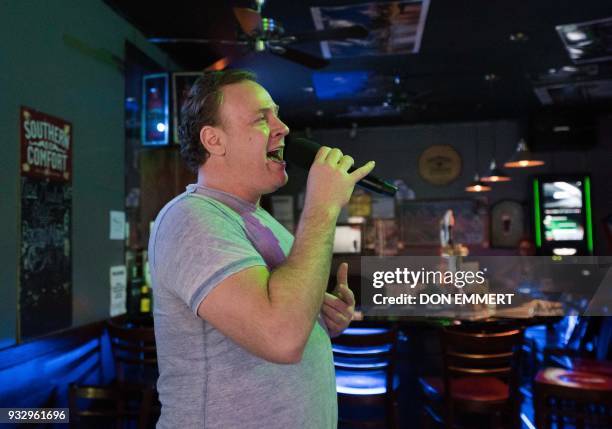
x=302 y=152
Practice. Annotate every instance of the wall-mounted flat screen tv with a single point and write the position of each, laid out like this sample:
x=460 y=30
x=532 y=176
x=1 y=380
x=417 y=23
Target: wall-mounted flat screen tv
x=155 y=114
x=562 y=211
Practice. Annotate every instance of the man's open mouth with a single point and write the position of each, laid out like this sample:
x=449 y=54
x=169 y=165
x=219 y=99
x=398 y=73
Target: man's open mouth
x=276 y=155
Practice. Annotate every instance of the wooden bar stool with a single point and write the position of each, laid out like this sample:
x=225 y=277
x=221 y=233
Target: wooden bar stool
x=135 y=358
x=364 y=359
x=98 y=407
x=572 y=398
x=480 y=376
x=603 y=367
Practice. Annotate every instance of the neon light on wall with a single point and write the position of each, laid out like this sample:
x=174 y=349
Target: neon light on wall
x=589 y=221
x=536 y=210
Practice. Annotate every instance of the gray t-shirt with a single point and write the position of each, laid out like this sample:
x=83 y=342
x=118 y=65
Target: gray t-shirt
x=206 y=380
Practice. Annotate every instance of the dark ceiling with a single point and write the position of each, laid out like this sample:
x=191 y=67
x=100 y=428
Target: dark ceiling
x=463 y=43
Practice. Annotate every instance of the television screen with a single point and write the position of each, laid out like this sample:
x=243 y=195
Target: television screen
x=338 y=85
x=563 y=216
x=155 y=117
x=347 y=239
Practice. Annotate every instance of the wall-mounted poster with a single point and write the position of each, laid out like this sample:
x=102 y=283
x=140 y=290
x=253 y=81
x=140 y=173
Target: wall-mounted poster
x=45 y=287
x=181 y=84
x=46 y=150
x=420 y=221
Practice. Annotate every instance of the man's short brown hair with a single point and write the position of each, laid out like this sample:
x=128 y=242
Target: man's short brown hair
x=201 y=108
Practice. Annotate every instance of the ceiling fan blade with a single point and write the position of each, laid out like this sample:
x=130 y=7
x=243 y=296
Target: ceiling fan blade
x=302 y=58
x=249 y=19
x=169 y=40
x=340 y=33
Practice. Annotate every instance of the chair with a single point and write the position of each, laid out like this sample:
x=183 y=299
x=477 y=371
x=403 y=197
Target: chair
x=480 y=377
x=595 y=366
x=135 y=358
x=572 y=399
x=364 y=359
x=97 y=406
x=589 y=343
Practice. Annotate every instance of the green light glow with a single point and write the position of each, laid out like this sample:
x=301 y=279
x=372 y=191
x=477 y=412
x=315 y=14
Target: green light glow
x=589 y=222
x=536 y=210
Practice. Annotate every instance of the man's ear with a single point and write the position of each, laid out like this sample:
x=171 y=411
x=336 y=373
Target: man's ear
x=210 y=138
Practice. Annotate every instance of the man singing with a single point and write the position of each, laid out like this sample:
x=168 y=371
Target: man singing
x=242 y=319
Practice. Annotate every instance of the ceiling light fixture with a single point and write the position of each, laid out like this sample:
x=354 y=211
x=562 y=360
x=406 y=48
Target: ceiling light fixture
x=477 y=185
x=576 y=51
x=523 y=157
x=496 y=174
x=519 y=37
x=575 y=35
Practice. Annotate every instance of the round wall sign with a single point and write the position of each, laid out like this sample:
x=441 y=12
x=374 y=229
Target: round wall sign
x=440 y=164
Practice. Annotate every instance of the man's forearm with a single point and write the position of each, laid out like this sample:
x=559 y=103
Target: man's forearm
x=297 y=287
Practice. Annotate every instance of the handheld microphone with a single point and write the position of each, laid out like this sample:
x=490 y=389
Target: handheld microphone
x=302 y=152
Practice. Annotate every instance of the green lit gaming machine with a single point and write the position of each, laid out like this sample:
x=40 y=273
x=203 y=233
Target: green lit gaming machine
x=562 y=215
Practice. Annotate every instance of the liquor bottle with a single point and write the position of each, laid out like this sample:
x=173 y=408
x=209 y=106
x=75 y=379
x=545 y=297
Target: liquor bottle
x=135 y=284
x=145 y=299
x=145 y=289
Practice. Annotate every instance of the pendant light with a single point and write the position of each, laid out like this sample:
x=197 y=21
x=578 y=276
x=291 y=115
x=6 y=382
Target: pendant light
x=496 y=174
x=523 y=157
x=477 y=185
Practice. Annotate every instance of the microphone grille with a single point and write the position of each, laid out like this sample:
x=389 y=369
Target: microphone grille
x=301 y=152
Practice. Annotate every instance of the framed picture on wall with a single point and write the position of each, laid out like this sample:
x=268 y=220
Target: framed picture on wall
x=420 y=221
x=507 y=223
x=181 y=84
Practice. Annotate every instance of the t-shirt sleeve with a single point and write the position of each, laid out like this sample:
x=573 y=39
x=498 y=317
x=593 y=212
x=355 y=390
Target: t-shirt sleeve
x=197 y=246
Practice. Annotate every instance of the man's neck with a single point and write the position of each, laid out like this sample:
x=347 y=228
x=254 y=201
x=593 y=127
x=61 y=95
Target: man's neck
x=208 y=180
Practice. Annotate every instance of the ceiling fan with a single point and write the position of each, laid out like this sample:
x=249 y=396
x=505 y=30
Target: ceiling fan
x=260 y=34
x=405 y=100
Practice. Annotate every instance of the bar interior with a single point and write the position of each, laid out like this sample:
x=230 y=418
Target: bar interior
x=479 y=255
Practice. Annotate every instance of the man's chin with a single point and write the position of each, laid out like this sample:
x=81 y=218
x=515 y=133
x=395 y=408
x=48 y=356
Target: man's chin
x=278 y=186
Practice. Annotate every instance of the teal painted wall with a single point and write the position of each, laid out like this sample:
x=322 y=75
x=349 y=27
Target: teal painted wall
x=41 y=70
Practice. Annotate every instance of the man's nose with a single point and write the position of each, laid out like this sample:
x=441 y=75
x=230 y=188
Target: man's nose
x=280 y=128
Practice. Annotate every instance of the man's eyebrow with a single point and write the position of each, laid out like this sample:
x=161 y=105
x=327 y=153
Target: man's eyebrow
x=274 y=107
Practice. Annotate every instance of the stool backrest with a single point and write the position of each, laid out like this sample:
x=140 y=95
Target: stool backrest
x=92 y=405
x=367 y=337
x=133 y=347
x=367 y=349
x=481 y=353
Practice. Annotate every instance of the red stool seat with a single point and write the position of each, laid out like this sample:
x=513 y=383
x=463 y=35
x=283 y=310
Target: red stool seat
x=574 y=379
x=592 y=365
x=482 y=389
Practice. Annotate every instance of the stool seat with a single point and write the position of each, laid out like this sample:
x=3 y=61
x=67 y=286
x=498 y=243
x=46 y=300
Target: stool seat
x=592 y=365
x=363 y=383
x=574 y=379
x=481 y=389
